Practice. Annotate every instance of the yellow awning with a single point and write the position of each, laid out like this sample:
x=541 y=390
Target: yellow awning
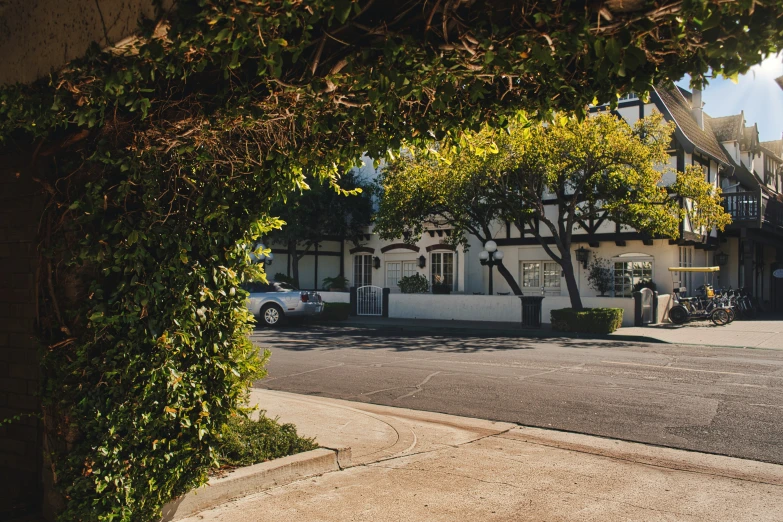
x=694 y=269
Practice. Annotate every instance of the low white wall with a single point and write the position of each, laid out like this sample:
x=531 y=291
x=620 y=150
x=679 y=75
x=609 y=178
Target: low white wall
x=456 y=307
x=335 y=297
x=498 y=308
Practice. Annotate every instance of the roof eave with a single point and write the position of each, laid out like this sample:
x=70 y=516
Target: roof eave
x=687 y=145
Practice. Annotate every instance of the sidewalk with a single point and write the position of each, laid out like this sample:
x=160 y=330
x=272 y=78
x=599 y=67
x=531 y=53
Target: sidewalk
x=412 y=465
x=745 y=334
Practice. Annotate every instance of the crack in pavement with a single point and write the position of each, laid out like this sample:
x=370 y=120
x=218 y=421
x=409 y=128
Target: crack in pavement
x=578 y=366
x=419 y=387
x=268 y=379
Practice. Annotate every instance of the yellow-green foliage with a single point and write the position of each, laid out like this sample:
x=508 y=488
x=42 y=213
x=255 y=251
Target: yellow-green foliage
x=594 y=168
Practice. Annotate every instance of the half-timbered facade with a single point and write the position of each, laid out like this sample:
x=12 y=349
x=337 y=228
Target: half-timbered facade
x=749 y=172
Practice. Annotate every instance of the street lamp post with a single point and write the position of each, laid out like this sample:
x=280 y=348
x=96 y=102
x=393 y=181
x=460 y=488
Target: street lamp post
x=490 y=257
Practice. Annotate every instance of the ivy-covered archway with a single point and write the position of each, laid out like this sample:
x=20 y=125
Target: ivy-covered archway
x=163 y=158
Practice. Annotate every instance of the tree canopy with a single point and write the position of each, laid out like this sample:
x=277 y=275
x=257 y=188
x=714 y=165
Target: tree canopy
x=162 y=157
x=320 y=213
x=559 y=177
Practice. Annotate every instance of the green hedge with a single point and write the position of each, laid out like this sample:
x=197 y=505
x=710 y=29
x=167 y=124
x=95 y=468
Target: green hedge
x=335 y=312
x=587 y=320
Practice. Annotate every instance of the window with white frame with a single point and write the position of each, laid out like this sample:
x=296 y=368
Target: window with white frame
x=531 y=274
x=630 y=269
x=442 y=269
x=551 y=275
x=538 y=274
x=362 y=270
x=393 y=271
x=409 y=268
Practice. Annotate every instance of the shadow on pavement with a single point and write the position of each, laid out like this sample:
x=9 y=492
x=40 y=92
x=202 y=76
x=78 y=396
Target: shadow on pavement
x=306 y=337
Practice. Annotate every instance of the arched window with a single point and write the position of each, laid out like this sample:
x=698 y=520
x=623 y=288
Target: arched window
x=630 y=269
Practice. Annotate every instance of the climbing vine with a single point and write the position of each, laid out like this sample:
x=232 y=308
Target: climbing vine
x=161 y=158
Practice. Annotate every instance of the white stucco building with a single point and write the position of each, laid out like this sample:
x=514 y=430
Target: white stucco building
x=728 y=150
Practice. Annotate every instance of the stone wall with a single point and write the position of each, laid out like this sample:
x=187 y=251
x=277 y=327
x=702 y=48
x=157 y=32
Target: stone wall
x=21 y=204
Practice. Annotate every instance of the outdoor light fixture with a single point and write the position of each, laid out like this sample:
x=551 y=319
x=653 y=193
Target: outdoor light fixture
x=261 y=258
x=422 y=261
x=490 y=257
x=376 y=262
x=721 y=258
x=581 y=255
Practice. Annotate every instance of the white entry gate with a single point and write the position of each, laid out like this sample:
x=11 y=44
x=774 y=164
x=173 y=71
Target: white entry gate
x=369 y=300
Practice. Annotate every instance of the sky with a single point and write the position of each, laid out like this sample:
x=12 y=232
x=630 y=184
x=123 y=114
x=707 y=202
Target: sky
x=756 y=93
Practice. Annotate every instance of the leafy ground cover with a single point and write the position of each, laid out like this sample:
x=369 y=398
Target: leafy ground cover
x=247 y=441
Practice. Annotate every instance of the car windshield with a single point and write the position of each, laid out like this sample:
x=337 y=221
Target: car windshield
x=284 y=287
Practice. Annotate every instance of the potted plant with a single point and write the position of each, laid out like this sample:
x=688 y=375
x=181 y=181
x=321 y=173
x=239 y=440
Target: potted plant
x=439 y=286
x=599 y=277
x=335 y=284
x=414 y=284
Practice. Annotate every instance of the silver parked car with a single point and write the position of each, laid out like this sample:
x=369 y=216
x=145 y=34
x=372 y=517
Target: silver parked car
x=272 y=303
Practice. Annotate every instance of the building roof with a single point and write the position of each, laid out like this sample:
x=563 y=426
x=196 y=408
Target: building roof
x=774 y=148
x=675 y=104
x=727 y=128
x=750 y=138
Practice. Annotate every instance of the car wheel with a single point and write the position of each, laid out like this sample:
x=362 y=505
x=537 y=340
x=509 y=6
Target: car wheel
x=272 y=315
x=678 y=315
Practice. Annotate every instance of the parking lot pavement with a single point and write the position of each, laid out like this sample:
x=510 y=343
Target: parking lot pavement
x=702 y=398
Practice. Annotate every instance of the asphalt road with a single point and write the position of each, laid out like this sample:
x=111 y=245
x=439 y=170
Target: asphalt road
x=727 y=401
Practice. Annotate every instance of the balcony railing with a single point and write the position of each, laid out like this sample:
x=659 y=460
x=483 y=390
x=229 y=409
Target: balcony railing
x=753 y=207
x=743 y=206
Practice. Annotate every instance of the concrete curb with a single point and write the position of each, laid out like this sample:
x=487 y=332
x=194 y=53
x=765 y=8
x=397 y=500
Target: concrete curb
x=256 y=478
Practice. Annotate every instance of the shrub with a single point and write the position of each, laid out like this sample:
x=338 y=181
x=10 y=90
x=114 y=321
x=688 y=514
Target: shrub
x=282 y=278
x=414 y=284
x=335 y=312
x=600 y=276
x=246 y=441
x=645 y=284
x=587 y=320
x=337 y=283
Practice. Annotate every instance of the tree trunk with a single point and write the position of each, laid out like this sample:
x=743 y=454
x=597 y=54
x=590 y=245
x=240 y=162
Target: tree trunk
x=512 y=283
x=294 y=262
x=570 y=277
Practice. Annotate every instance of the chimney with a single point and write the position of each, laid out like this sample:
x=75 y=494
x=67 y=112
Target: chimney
x=697 y=107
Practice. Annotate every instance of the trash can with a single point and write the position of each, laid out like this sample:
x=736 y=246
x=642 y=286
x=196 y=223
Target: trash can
x=531 y=310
